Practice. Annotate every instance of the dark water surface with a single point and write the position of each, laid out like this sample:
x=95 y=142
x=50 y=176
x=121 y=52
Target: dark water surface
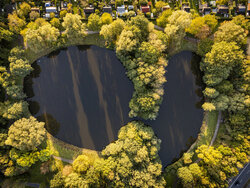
x=180 y=115
x=84 y=93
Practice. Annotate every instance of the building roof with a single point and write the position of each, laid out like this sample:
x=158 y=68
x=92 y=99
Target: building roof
x=145 y=9
x=89 y=10
x=165 y=7
x=107 y=9
x=248 y=6
x=50 y=9
x=121 y=9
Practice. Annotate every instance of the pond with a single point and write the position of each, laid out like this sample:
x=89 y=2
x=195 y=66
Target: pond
x=82 y=94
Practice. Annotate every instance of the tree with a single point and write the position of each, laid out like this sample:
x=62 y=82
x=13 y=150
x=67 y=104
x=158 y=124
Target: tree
x=75 y=180
x=127 y=43
x=57 y=181
x=63 y=13
x=196 y=25
x=181 y=19
x=134 y=158
x=55 y=22
x=34 y=15
x=24 y=9
x=15 y=23
x=106 y=18
x=221 y=102
x=237 y=34
x=142 y=24
x=5 y=34
x=74 y=28
x=186 y=176
x=26 y=134
x=210 y=92
x=81 y=164
x=112 y=31
x=208 y=106
x=159 y=5
x=15 y=91
x=205 y=46
x=220 y=61
x=15 y=110
x=211 y=21
x=41 y=38
x=237 y=102
x=94 y=22
x=242 y=21
x=162 y=20
x=20 y=68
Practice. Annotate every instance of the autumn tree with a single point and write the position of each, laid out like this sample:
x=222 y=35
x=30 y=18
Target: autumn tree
x=34 y=15
x=162 y=20
x=220 y=61
x=26 y=134
x=24 y=10
x=112 y=31
x=134 y=157
x=94 y=22
x=39 y=39
x=74 y=28
x=106 y=18
x=237 y=34
x=15 y=23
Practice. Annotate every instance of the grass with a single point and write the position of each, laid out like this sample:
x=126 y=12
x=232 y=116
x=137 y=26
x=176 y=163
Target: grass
x=67 y=151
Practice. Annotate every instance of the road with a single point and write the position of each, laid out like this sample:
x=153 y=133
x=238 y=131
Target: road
x=241 y=180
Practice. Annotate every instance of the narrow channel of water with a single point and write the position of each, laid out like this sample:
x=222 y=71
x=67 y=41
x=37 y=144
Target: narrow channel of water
x=82 y=93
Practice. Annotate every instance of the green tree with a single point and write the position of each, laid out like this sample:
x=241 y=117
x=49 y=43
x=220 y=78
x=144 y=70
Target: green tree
x=142 y=24
x=112 y=31
x=159 y=5
x=44 y=37
x=57 y=181
x=74 y=28
x=242 y=21
x=134 y=157
x=211 y=21
x=15 y=23
x=26 y=134
x=210 y=92
x=221 y=102
x=81 y=164
x=220 y=61
x=94 y=22
x=162 y=20
x=186 y=176
x=15 y=110
x=20 y=68
x=205 y=46
x=237 y=34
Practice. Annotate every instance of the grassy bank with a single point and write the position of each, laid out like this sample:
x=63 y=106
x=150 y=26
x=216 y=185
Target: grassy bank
x=91 y=39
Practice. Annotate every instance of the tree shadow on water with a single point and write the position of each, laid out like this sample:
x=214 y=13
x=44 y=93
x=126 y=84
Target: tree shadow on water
x=51 y=124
